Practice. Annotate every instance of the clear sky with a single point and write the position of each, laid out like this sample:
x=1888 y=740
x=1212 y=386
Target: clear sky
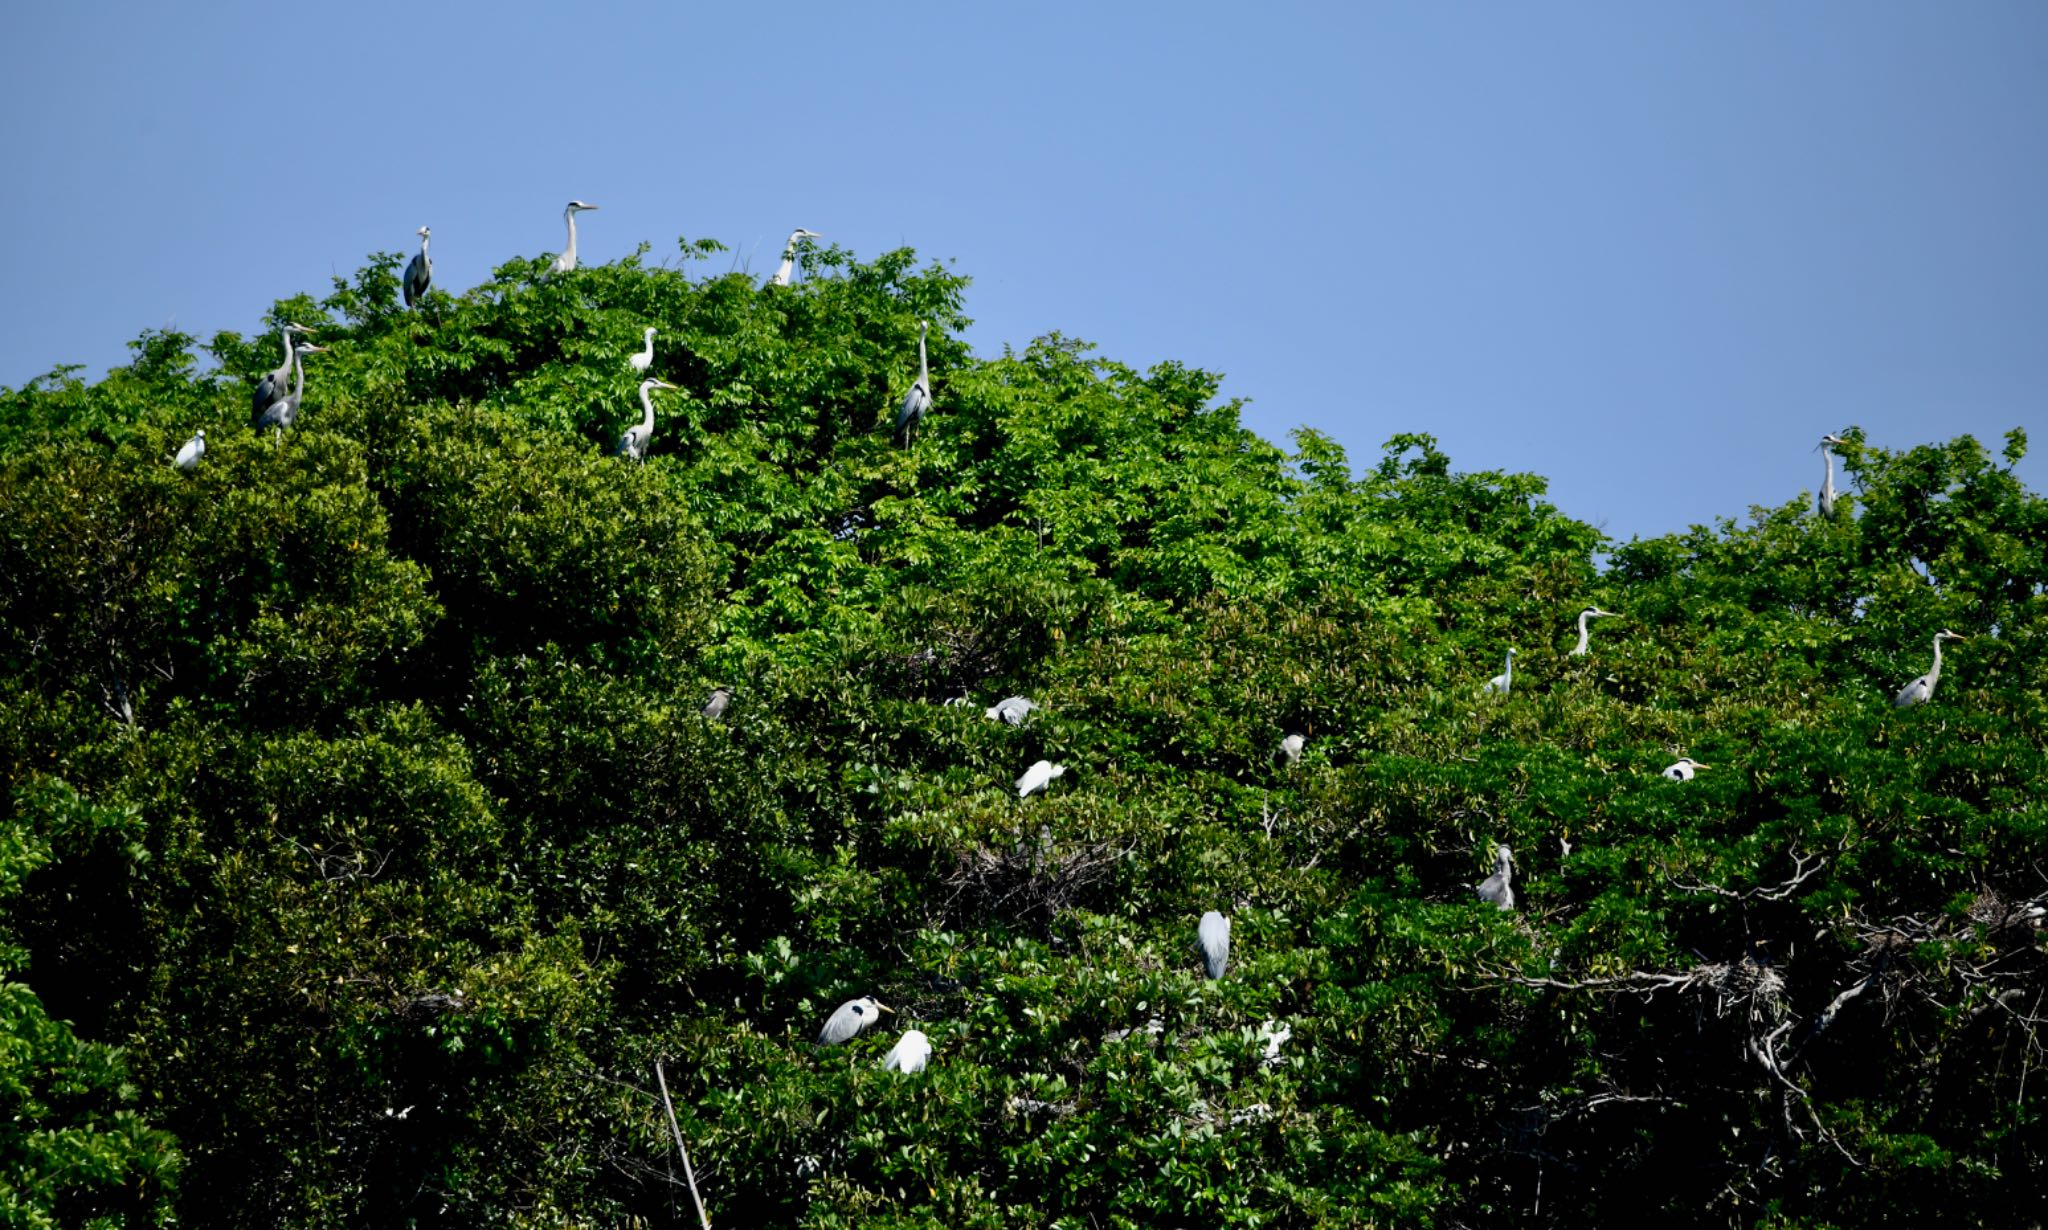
x=1649 y=250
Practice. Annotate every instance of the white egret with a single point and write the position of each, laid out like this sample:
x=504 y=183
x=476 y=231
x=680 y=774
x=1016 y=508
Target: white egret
x=567 y=260
x=919 y=399
x=645 y=359
x=1497 y=889
x=633 y=445
x=1827 y=481
x=272 y=386
x=1921 y=690
x=419 y=271
x=909 y=1054
x=283 y=412
x=195 y=448
x=1036 y=777
x=1502 y=682
x=1585 y=634
x=853 y=1016
x=1214 y=935
x=1012 y=710
x=1290 y=749
x=788 y=265
x=1684 y=769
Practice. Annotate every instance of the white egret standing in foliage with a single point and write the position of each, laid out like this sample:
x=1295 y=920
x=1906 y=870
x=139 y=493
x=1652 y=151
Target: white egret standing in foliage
x=1921 y=690
x=1685 y=768
x=1012 y=710
x=195 y=448
x=1290 y=749
x=853 y=1016
x=1036 y=777
x=419 y=271
x=1585 y=633
x=1827 y=482
x=788 y=265
x=1506 y=679
x=283 y=412
x=633 y=445
x=272 y=386
x=1214 y=935
x=645 y=359
x=909 y=1054
x=919 y=398
x=1498 y=889
x=567 y=260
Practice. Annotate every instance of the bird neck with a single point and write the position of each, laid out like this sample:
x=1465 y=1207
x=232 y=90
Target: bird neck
x=423 y=247
x=298 y=376
x=569 y=253
x=1585 y=633
x=647 y=403
x=1934 y=672
x=285 y=336
x=924 y=371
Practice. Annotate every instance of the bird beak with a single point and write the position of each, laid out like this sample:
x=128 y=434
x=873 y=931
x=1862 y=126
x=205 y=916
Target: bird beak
x=882 y=1007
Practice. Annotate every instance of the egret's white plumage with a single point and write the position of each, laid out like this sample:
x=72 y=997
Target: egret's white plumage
x=1585 y=633
x=1506 y=679
x=1214 y=936
x=645 y=359
x=567 y=260
x=633 y=445
x=1921 y=690
x=909 y=1054
x=1290 y=748
x=851 y=1017
x=419 y=271
x=195 y=448
x=788 y=265
x=1498 y=889
x=1037 y=776
x=1012 y=710
x=1684 y=769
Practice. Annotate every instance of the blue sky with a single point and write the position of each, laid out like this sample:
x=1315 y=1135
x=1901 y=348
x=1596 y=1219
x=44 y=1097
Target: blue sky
x=1649 y=251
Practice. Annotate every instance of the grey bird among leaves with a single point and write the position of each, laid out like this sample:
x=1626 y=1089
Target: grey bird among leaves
x=1498 y=889
x=852 y=1016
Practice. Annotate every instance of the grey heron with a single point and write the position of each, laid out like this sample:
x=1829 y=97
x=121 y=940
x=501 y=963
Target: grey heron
x=633 y=445
x=1827 y=482
x=853 y=1016
x=1585 y=633
x=714 y=708
x=567 y=260
x=1214 y=936
x=1012 y=710
x=1921 y=690
x=283 y=412
x=1497 y=889
x=1685 y=768
x=271 y=387
x=1036 y=777
x=419 y=271
x=645 y=359
x=1506 y=679
x=919 y=399
x=195 y=448
x=909 y=1054
x=1290 y=749
x=788 y=265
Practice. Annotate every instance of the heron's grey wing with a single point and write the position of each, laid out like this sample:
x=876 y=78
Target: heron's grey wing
x=266 y=392
x=842 y=1025
x=416 y=279
x=1495 y=892
x=1914 y=693
x=1215 y=934
x=915 y=403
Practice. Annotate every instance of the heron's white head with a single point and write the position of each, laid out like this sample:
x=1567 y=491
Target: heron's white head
x=577 y=207
x=1827 y=440
x=650 y=333
x=305 y=348
x=1511 y=653
x=424 y=232
x=801 y=233
x=652 y=383
x=1594 y=612
x=1503 y=857
x=289 y=327
x=1058 y=770
x=200 y=434
x=1946 y=635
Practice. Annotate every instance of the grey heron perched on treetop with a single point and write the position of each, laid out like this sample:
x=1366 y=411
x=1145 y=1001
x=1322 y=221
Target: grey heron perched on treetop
x=1498 y=889
x=909 y=1054
x=1012 y=710
x=1214 y=936
x=714 y=708
x=419 y=271
x=271 y=387
x=645 y=359
x=283 y=412
x=1827 y=481
x=1506 y=679
x=1585 y=633
x=1921 y=690
x=853 y=1016
x=788 y=265
x=633 y=445
x=1685 y=768
x=1036 y=777
x=919 y=399
x=567 y=260
x=195 y=448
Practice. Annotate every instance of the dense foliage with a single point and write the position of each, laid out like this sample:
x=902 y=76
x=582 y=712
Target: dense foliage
x=366 y=847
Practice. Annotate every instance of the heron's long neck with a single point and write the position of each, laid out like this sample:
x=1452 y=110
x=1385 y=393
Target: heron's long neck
x=1934 y=672
x=647 y=403
x=1828 y=482
x=299 y=392
x=924 y=371
x=285 y=336
x=1503 y=868
x=423 y=249
x=1510 y=671
x=1584 y=633
x=569 y=253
